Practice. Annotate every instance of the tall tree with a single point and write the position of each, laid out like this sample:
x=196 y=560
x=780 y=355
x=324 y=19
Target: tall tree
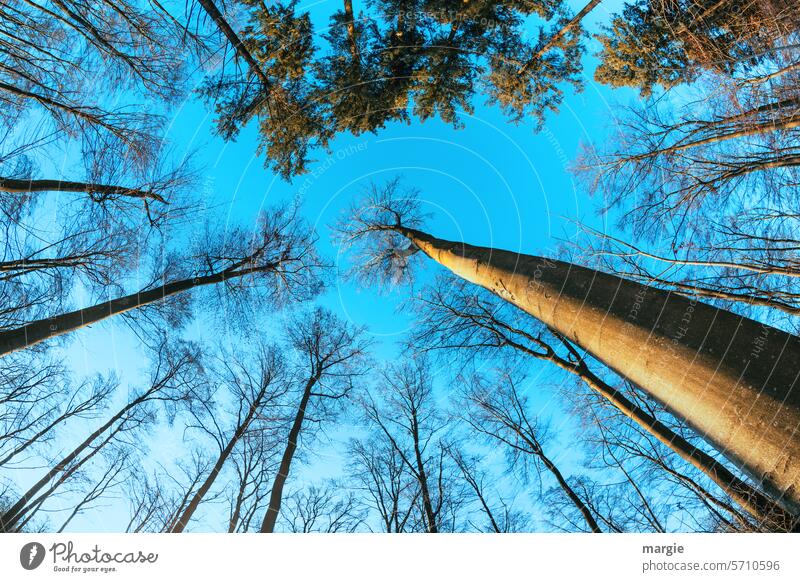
x=407 y=418
x=384 y=479
x=175 y=381
x=254 y=387
x=279 y=256
x=398 y=59
x=330 y=355
x=456 y=317
x=278 y=47
x=500 y=412
x=639 y=331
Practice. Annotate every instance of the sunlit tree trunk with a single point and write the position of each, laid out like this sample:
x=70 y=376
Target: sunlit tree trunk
x=731 y=378
x=749 y=498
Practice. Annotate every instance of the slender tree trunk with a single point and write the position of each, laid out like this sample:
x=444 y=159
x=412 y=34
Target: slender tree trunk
x=783 y=161
x=183 y=520
x=93 y=117
x=574 y=497
x=351 y=30
x=38 y=331
x=212 y=10
x=762 y=128
x=17 y=186
x=14 y=513
x=732 y=379
x=559 y=35
x=233 y=522
x=422 y=477
x=276 y=495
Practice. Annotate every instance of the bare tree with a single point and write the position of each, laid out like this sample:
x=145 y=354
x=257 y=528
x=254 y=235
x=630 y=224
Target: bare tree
x=405 y=415
x=321 y=509
x=384 y=479
x=329 y=356
x=35 y=404
x=255 y=462
x=498 y=513
x=111 y=476
x=174 y=382
x=279 y=255
x=639 y=331
x=499 y=411
x=457 y=318
x=255 y=387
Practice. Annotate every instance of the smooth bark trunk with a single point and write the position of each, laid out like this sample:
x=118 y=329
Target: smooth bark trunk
x=732 y=379
x=748 y=497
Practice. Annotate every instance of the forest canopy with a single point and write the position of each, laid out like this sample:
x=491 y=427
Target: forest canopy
x=399 y=266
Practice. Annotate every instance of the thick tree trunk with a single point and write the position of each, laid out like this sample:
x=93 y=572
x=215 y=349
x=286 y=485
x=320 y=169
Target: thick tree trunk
x=276 y=495
x=749 y=498
x=734 y=380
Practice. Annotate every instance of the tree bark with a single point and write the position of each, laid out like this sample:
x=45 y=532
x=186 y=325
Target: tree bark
x=38 y=331
x=745 y=495
x=750 y=499
x=18 y=186
x=276 y=495
x=762 y=128
x=559 y=35
x=732 y=379
x=180 y=523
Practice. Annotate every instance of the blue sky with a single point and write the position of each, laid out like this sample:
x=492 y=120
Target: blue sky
x=489 y=183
